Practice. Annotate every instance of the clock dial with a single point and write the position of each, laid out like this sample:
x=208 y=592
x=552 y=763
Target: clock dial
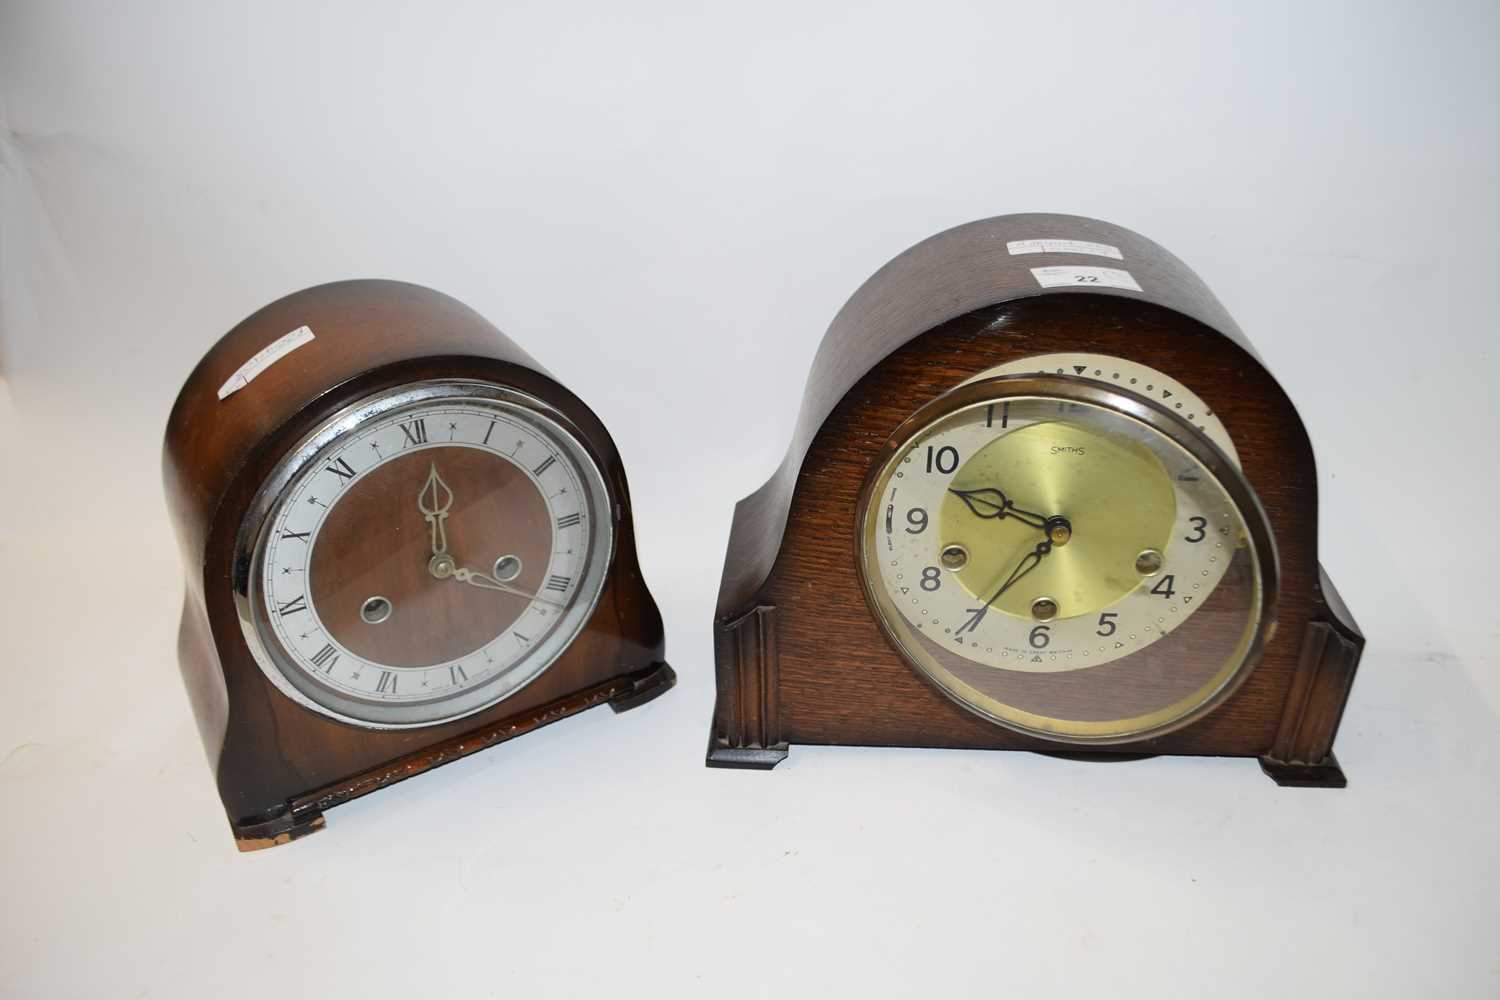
x=1126 y=376
x=1061 y=565
x=428 y=555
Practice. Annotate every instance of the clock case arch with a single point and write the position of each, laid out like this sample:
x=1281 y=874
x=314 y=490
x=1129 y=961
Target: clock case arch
x=793 y=668
x=279 y=765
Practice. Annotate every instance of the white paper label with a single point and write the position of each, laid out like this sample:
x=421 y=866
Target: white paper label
x=265 y=358
x=1084 y=277
x=1063 y=246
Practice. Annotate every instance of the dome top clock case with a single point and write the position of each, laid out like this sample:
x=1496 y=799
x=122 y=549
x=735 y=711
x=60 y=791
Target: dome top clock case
x=1043 y=495
x=405 y=542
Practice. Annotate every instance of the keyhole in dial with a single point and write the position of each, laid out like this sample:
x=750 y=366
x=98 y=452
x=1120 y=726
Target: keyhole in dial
x=507 y=568
x=375 y=610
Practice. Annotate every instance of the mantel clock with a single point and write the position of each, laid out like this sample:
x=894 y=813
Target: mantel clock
x=405 y=542
x=1043 y=495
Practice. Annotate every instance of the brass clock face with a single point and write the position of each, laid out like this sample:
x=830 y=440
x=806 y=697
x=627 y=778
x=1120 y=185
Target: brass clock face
x=1065 y=557
x=424 y=555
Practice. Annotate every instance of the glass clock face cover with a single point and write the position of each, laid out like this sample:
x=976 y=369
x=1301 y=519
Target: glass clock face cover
x=426 y=554
x=1061 y=566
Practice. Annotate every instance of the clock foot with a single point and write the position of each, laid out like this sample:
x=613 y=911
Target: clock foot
x=1326 y=773
x=746 y=727
x=650 y=683
x=281 y=828
x=747 y=758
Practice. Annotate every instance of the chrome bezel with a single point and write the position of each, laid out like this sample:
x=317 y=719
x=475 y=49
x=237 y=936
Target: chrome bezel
x=250 y=547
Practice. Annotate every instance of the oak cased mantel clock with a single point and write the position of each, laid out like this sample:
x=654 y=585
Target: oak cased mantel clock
x=405 y=542
x=1042 y=495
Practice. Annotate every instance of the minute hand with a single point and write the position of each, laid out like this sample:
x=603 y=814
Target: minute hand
x=1028 y=562
x=485 y=582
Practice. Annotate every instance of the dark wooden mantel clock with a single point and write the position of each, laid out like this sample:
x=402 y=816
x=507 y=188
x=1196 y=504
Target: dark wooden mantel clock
x=1043 y=495
x=405 y=542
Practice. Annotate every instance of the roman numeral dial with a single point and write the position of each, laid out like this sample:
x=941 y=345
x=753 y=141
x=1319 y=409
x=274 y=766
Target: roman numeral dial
x=430 y=559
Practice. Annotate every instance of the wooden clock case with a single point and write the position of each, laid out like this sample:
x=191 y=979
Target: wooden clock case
x=800 y=657
x=279 y=765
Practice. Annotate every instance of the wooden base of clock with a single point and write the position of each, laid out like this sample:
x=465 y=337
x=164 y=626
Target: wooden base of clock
x=279 y=765
x=304 y=814
x=748 y=730
x=800 y=657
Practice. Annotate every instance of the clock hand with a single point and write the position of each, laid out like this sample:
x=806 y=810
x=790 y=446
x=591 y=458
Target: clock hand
x=442 y=565
x=436 y=511
x=1028 y=562
x=486 y=582
x=1059 y=531
x=992 y=503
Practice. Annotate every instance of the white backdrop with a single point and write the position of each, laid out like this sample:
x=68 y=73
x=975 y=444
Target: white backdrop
x=666 y=204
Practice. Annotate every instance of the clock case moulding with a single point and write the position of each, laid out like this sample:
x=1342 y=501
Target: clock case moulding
x=799 y=655
x=279 y=765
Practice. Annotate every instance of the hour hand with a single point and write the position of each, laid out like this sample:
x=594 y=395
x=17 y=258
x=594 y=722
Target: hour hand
x=434 y=500
x=991 y=503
